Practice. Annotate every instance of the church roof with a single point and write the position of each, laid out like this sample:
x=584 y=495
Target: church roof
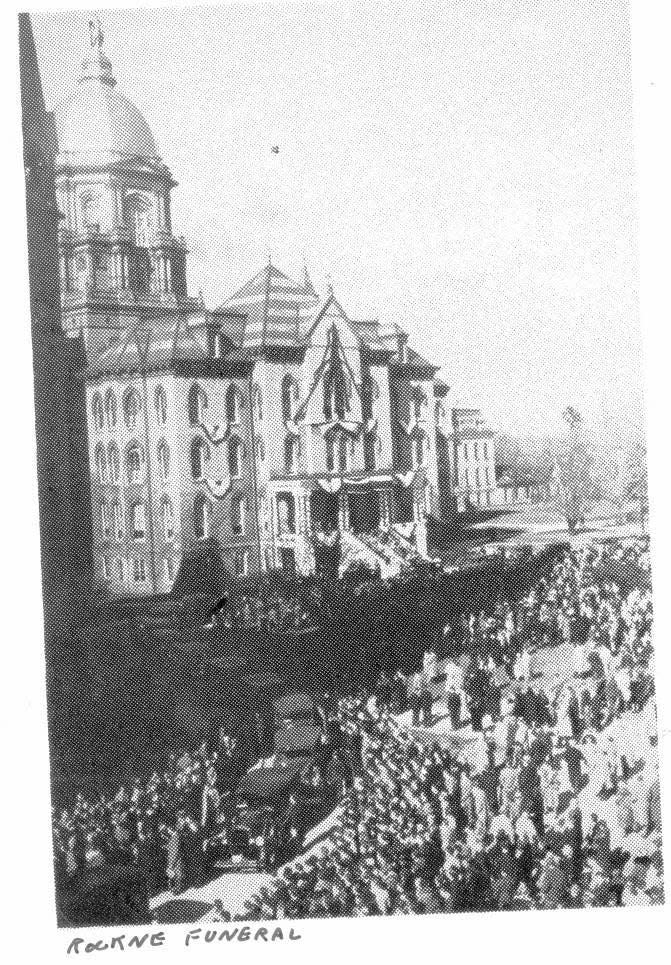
x=277 y=308
x=97 y=122
x=148 y=346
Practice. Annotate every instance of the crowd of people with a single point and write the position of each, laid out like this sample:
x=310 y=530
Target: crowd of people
x=489 y=814
x=499 y=821
x=161 y=824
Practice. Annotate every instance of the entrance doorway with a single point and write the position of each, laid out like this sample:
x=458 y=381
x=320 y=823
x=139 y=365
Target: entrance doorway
x=364 y=512
x=324 y=511
x=288 y=560
x=405 y=504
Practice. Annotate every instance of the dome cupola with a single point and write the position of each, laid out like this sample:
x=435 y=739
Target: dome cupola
x=96 y=123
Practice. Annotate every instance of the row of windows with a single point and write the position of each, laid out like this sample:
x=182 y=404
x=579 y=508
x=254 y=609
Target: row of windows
x=108 y=464
x=201 y=454
x=482 y=477
x=202 y=516
x=476 y=451
x=138 y=570
x=199 y=401
x=339 y=454
x=105 y=413
x=113 y=524
x=336 y=403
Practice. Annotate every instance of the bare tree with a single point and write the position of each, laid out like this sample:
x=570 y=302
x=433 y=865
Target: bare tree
x=622 y=476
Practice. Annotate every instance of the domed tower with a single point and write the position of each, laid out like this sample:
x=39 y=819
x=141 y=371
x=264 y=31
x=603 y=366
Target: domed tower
x=119 y=261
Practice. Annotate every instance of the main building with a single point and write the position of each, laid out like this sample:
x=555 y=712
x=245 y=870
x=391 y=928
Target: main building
x=275 y=427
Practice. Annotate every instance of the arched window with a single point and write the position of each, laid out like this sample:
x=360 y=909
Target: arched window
x=105 y=518
x=110 y=409
x=200 y=454
x=134 y=463
x=338 y=448
x=138 y=520
x=137 y=216
x=258 y=404
x=131 y=408
x=197 y=405
x=202 y=516
x=235 y=453
x=233 y=405
x=113 y=461
x=168 y=519
x=286 y=513
x=238 y=515
x=163 y=456
x=289 y=398
x=419 y=450
x=117 y=520
x=101 y=463
x=98 y=412
x=292 y=451
x=161 y=405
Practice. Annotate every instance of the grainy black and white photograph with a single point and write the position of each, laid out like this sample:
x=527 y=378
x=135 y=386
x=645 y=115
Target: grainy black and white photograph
x=341 y=459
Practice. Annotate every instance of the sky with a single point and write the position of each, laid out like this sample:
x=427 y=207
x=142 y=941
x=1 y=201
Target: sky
x=464 y=169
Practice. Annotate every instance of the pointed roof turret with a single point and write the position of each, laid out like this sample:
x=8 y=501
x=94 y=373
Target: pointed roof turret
x=308 y=287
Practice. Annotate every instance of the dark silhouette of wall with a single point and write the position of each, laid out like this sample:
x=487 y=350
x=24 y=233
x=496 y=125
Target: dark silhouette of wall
x=60 y=415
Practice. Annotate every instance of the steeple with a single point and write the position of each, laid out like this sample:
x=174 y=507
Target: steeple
x=308 y=287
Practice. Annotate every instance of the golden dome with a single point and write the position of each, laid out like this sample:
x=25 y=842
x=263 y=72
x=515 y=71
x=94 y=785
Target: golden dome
x=98 y=121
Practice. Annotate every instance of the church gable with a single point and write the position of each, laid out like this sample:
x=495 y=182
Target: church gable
x=331 y=316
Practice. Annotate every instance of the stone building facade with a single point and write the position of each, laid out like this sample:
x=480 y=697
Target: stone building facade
x=277 y=425
x=469 y=460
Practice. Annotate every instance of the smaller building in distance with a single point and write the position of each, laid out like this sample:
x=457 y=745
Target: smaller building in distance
x=530 y=487
x=470 y=460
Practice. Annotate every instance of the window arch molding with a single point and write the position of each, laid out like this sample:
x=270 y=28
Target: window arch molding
x=290 y=395
x=161 y=405
x=113 y=462
x=200 y=455
x=163 y=458
x=202 y=516
x=100 y=461
x=292 y=454
x=134 y=462
x=111 y=414
x=197 y=403
x=168 y=518
x=132 y=406
x=236 y=453
x=234 y=405
x=97 y=412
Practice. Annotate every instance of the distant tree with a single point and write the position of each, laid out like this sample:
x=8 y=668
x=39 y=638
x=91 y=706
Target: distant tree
x=573 y=471
x=621 y=475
